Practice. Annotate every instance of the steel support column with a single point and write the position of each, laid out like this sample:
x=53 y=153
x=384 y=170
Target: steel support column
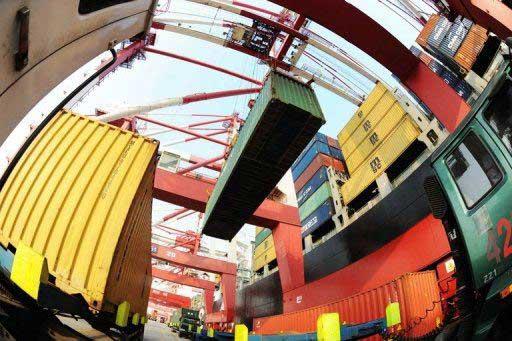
x=288 y=246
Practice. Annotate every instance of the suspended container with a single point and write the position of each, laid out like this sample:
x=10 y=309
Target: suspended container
x=81 y=197
x=416 y=293
x=427 y=30
x=285 y=117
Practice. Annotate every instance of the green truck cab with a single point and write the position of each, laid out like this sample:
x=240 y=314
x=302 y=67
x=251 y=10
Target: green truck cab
x=472 y=194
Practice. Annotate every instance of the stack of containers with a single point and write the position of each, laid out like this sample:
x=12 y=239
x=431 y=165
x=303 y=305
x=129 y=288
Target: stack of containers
x=264 y=250
x=377 y=134
x=457 y=44
x=309 y=172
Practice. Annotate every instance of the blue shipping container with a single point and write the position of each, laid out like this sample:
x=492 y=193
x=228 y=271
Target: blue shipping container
x=312 y=185
x=439 y=32
x=437 y=67
x=450 y=78
x=316 y=148
x=322 y=215
x=319 y=137
x=464 y=89
x=453 y=39
x=336 y=153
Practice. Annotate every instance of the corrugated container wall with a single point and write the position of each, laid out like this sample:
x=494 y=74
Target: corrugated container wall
x=318 y=162
x=81 y=195
x=427 y=30
x=285 y=117
x=439 y=32
x=471 y=47
x=264 y=253
x=417 y=294
x=454 y=38
x=388 y=151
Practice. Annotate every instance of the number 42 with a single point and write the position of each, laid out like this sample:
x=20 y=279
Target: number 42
x=493 y=250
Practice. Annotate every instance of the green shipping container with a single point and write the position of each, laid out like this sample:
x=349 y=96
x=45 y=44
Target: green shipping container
x=260 y=237
x=285 y=117
x=317 y=199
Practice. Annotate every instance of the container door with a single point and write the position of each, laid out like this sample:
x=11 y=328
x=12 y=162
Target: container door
x=475 y=173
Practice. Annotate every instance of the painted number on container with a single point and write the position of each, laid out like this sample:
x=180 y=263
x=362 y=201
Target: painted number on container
x=494 y=252
x=374 y=138
x=367 y=125
x=376 y=164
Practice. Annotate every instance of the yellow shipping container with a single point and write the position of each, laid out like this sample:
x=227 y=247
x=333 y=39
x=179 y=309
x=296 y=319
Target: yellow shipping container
x=377 y=163
x=81 y=196
x=375 y=137
x=265 y=245
x=264 y=258
x=259 y=229
x=376 y=115
x=361 y=113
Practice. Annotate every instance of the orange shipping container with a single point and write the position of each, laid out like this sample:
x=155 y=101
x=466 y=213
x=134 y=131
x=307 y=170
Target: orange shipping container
x=319 y=161
x=427 y=29
x=471 y=47
x=417 y=293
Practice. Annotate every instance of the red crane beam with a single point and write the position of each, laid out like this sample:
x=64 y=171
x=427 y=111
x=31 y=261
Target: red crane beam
x=289 y=39
x=190 y=260
x=193 y=194
x=493 y=15
x=168 y=299
x=183 y=279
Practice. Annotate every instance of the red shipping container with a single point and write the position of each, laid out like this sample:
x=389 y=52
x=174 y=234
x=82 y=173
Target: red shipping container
x=471 y=47
x=333 y=142
x=319 y=161
x=417 y=293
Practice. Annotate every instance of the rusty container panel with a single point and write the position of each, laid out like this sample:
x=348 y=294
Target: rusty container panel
x=471 y=47
x=81 y=196
x=427 y=30
x=415 y=292
x=320 y=160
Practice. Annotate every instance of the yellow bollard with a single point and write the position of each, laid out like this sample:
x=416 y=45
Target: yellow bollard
x=135 y=319
x=393 y=314
x=241 y=333
x=211 y=332
x=29 y=270
x=328 y=327
x=123 y=312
